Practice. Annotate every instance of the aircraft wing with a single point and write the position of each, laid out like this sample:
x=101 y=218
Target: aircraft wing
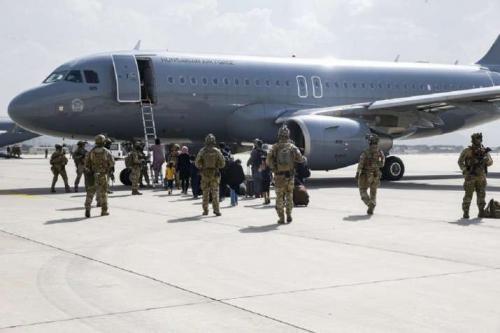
x=401 y=116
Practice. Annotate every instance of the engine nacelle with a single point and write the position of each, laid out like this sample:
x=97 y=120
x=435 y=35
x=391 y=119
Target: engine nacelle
x=331 y=142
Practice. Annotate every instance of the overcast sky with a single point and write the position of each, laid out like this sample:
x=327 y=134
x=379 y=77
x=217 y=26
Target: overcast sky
x=38 y=35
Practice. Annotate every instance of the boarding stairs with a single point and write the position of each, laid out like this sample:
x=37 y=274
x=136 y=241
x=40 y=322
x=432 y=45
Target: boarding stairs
x=148 y=123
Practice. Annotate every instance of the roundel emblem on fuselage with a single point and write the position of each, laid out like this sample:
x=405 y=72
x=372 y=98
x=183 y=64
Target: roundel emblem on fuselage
x=77 y=105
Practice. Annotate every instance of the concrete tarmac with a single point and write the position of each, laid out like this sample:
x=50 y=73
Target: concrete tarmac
x=156 y=265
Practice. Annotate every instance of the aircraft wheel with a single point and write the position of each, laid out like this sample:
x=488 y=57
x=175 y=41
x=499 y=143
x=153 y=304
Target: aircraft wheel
x=393 y=169
x=125 y=177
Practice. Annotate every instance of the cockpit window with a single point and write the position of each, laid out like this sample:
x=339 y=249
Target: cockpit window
x=55 y=76
x=91 y=77
x=74 y=76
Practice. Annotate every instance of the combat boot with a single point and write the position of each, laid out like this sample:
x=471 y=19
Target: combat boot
x=205 y=212
x=281 y=219
x=67 y=189
x=289 y=218
x=136 y=192
x=481 y=213
x=52 y=190
x=104 y=211
x=466 y=214
x=217 y=213
x=465 y=208
x=76 y=188
x=370 y=210
x=87 y=212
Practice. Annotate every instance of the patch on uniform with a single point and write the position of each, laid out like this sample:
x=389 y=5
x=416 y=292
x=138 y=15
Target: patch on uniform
x=77 y=105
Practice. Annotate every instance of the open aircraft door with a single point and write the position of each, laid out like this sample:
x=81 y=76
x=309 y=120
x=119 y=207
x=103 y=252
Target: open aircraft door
x=128 y=86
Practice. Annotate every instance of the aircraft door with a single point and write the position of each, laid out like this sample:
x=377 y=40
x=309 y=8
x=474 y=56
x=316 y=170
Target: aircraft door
x=128 y=87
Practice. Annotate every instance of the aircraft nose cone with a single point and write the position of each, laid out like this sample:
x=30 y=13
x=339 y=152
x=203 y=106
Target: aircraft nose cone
x=19 y=110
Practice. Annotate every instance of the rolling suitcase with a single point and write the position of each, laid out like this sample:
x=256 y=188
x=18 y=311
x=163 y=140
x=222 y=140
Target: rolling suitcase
x=249 y=184
x=300 y=196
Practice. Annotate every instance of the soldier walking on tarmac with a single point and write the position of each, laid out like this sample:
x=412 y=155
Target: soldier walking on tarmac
x=79 y=159
x=58 y=163
x=281 y=159
x=474 y=162
x=368 y=174
x=134 y=161
x=209 y=161
x=98 y=164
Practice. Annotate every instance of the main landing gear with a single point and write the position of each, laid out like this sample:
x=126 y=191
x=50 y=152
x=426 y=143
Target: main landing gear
x=393 y=169
x=125 y=177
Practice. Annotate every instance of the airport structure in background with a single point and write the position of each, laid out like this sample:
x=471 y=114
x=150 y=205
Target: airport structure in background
x=156 y=264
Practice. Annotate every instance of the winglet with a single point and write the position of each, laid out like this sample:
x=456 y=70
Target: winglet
x=493 y=55
x=137 y=46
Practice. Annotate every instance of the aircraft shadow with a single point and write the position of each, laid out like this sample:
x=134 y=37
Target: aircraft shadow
x=259 y=229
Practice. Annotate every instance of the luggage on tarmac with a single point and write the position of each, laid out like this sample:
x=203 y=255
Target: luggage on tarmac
x=300 y=196
x=242 y=190
x=250 y=187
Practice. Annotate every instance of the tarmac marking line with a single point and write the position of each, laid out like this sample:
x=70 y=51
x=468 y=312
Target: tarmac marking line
x=104 y=315
x=212 y=299
x=363 y=283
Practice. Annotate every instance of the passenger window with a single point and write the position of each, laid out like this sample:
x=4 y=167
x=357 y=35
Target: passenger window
x=337 y=85
x=204 y=81
x=268 y=83
x=226 y=81
x=287 y=83
x=74 y=76
x=346 y=85
x=257 y=82
x=372 y=85
x=182 y=80
x=327 y=84
x=215 y=81
x=170 y=80
x=363 y=85
x=247 y=82
x=194 y=81
x=278 y=83
x=236 y=82
x=91 y=77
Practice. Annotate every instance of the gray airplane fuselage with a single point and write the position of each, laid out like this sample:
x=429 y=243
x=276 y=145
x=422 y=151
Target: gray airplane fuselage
x=236 y=98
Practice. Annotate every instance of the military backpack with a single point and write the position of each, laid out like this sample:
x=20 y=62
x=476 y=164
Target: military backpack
x=284 y=158
x=210 y=159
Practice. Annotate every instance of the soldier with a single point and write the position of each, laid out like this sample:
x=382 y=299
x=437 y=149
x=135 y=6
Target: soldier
x=281 y=159
x=79 y=159
x=368 y=174
x=144 y=166
x=135 y=162
x=58 y=163
x=111 y=175
x=98 y=164
x=474 y=162
x=209 y=161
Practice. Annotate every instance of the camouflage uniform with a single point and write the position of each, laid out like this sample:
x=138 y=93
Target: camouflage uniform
x=98 y=163
x=79 y=159
x=144 y=166
x=474 y=161
x=281 y=159
x=209 y=161
x=136 y=167
x=368 y=174
x=58 y=163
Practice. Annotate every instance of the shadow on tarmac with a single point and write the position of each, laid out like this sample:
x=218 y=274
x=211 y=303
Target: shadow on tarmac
x=186 y=219
x=264 y=228
x=70 y=209
x=467 y=222
x=70 y=220
x=357 y=218
x=46 y=191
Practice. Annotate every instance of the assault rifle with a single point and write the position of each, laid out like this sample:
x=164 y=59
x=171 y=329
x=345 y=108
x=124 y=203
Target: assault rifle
x=479 y=157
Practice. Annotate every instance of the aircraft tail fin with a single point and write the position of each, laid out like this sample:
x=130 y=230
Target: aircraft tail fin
x=492 y=58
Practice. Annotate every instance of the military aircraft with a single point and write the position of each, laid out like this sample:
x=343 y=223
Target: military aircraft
x=330 y=105
x=10 y=133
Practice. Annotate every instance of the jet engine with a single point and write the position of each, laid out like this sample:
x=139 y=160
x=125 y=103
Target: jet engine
x=331 y=142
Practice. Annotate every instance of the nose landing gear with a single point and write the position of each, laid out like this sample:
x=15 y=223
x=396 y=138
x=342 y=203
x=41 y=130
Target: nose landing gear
x=393 y=169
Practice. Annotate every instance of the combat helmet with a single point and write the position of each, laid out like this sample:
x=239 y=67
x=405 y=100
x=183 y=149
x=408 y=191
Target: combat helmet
x=81 y=143
x=284 y=133
x=477 y=137
x=210 y=140
x=58 y=146
x=100 y=140
x=373 y=139
x=138 y=145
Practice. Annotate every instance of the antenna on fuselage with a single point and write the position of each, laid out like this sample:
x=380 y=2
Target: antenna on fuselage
x=397 y=58
x=137 y=46
x=456 y=62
